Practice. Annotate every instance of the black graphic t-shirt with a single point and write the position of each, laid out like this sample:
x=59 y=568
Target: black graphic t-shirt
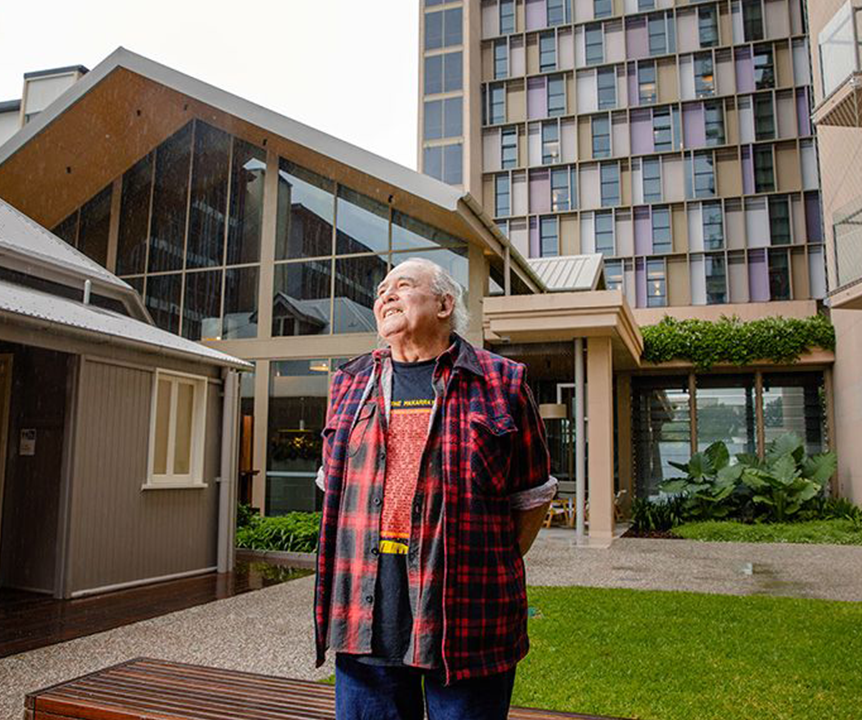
x=412 y=402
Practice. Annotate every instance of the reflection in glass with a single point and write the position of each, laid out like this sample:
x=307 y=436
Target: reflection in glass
x=356 y=281
x=409 y=233
x=246 y=203
x=240 y=303
x=163 y=300
x=95 y=227
x=297 y=412
x=362 y=223
x=202 y=306
x=68 y=229
x=300 y=304
x=134 y=217
x=453 y=260
x=725 y=411
x=306 y=209
x=170 y=194
x=794 y=403
x=208 y=197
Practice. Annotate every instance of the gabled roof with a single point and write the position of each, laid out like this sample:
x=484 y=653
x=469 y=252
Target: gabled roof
x=570 y=272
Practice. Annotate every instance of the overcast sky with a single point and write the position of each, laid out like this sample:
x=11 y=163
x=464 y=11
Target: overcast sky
x=347 y=67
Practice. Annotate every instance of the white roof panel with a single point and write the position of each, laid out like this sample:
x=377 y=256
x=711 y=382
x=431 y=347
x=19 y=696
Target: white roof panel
x=569 y=273
x=75 y=316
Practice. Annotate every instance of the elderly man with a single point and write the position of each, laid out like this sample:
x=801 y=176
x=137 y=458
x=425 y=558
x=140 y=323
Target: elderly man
x=436 y=475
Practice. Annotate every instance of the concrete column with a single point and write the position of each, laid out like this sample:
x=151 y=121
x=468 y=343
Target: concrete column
x=600 y=429
x=624 y=438
x=580 y=441
x=261 y=430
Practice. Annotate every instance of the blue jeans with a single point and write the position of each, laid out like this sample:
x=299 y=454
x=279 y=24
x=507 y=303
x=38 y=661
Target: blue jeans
x=373 y=692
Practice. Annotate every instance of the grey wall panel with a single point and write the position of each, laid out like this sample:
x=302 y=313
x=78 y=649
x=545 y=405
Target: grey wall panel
x=119 y=532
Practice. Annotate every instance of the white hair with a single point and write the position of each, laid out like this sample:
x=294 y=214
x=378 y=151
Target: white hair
x=443 y=284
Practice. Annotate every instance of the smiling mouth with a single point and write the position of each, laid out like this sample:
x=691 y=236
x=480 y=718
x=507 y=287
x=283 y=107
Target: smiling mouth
x=392 y=311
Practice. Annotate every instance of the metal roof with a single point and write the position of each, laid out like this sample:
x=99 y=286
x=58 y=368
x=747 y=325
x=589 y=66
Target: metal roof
x=73 y=317
x=22 y=236
x=570 y=273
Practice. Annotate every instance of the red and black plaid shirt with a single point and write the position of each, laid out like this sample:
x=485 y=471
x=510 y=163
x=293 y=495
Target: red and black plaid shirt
x=486 y=455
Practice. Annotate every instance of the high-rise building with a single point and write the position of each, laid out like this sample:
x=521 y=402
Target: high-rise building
x=674 y=139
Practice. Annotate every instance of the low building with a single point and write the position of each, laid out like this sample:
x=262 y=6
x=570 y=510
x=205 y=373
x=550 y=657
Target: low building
x=113 y=432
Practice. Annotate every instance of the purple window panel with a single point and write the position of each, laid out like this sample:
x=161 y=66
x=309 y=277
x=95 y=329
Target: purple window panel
x=537 y=17
x=637 y=39
x=747 y=171
x=634 y=95
x=640 y=283
x=744 y=71
x=694 y=125
x=643 y=232
x=537 y=98
x=813 y=222
x=535 y=251
x=642 y=134
x=758 y=276
x=803 y=113
x=540 y=191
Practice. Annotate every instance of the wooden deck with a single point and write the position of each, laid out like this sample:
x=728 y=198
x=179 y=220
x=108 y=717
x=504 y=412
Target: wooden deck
x=29 y=620
x=143 y=689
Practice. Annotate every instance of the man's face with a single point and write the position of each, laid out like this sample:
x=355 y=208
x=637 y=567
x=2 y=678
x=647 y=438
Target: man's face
x=406 y=306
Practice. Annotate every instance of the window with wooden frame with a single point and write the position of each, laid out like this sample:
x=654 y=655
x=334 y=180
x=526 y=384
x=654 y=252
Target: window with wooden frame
x=177 y=430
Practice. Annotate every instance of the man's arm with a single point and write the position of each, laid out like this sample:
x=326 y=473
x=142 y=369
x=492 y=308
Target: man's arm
x=527 y=525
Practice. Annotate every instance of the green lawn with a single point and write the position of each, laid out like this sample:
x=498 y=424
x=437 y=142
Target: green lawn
x=833 y=532
x=688 y=656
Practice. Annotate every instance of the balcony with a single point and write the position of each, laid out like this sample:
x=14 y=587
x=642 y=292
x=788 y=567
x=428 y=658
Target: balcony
x=847 y=232
x=841 y=69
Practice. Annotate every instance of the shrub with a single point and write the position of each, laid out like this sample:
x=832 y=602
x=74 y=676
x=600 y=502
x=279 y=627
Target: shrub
x=707 y=490
x=294 y=532
x=246 y=515
x=656 y=515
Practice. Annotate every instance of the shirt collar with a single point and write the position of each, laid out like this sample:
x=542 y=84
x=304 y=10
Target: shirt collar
x=460 y=355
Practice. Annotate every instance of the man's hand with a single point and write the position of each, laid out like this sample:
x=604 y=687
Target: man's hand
x=527 y=525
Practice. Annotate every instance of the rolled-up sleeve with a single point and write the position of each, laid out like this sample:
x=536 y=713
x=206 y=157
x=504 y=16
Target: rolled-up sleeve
x=531 y=484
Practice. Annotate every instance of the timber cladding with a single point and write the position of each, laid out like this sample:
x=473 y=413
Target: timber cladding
x=118 y=532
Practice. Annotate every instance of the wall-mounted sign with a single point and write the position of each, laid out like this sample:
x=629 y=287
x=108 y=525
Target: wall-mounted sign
x=27 y=443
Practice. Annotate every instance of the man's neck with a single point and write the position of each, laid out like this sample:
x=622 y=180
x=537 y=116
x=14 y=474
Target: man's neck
x=410 y=351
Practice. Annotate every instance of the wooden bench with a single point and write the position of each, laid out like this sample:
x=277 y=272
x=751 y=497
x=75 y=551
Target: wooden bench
x=146 y=689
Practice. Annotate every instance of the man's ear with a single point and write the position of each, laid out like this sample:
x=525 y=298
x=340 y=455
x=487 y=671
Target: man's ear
x=447 y=307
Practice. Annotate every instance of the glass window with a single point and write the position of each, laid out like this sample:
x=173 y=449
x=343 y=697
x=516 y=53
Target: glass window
x=497 y=104
x=434 y=30
x=509 y=147
x=362 y=223
x=558 y=12
x=453 y=164
x=163 y=300
x=606 y=79
x=764 y=117
x=502 y=205
x=356 y=281
x=662 y=130
x=764 y=177
x=704 y=175
x=547 y=51
x=725 y=411
x=752 y=20
x=652 y=179
x=453 y=72
x=657 y=35
x=560 y=189
x=550 y=143
x=610 y=177
x=779 y=275
x=306 y=212
x=714 y=123
x=433 y=120
x=661 y=236
x=301 y=298
x=452 y=117
x=764 y=67
x=170 y=195
x=647 y=88
x=556 y=96
x=95 y=226
x=432 y=162
x=443 y=28
x=67 y=230
x=839 y=49
x=501 y=59
x=707 y=25
x=411 y=234
x=656 y=283
x=246 y=203
x=240 y=303
x=549 y=245
x=296 y=417
x=793 y=402
x=601 y=136
x=134 y=217
x=713 y=226
x=202 y=306
x=452 y=27
x=594 y=37
x=604 y=228
x=208 y=205
x=602 y=8
x=452 y=260
x=614 y=274
x=716 y=279
x=433 y=75
x=779 y=221
x=704 y=78
x=646 y=5
x=507 y=16
x=177 y=427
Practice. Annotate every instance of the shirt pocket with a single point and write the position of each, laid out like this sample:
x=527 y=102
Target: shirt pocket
x=490 y=444
x=360 y=427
